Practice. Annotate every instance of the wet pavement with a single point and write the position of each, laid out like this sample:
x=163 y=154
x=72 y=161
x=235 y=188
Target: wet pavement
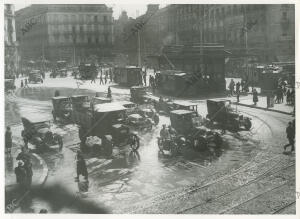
x=131 y=178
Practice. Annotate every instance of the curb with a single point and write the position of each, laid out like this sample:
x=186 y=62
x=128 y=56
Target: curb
x=262 y=108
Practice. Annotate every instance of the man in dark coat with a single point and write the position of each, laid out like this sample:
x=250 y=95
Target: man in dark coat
x=20 y=172
x=81 y=168
x=290 y=134
x=8 y=140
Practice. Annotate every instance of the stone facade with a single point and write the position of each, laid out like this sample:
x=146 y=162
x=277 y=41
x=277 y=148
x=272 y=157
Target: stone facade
x=251 y=33
x=65 y=32
x=10 y=43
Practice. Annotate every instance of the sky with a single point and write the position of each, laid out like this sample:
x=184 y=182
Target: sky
x=133 y=10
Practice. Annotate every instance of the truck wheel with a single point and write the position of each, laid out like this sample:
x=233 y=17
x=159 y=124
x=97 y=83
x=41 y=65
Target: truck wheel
x=160 y=145
x=173 y=150
x=136 y=145
x=248 y=124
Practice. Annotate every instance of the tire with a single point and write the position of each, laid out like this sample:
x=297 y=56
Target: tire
x=173 y=150
x=160 y=145
x=248 y=124
x=135 y=146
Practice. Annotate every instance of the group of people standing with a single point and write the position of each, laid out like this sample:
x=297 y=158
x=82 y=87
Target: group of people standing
x=108 y=75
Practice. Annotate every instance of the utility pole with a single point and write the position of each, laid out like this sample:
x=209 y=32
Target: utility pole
x=246 y=38
x=139 y=48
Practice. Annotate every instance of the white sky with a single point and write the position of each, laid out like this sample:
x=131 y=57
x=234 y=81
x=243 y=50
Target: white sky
x=132 y=10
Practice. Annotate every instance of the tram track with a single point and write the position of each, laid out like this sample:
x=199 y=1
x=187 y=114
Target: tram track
x=243 y=168
x=260 y=177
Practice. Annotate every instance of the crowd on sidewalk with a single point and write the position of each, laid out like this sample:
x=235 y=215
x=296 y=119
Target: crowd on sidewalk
x=283 y=90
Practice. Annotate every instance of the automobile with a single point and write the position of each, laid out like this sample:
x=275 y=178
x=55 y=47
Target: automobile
x=35 y=76
x=61 y=68
x=190 y=133
x=130 y=106
x=81 y=109
x=185 y=105
x=128 y=76
x=150 y=113
x=164 y=106
x=139 y=122
x=137 y=94
x=108 y=119
x=220 y=111
x=99 y=100
x=62 y=109
x=87 y=71
x=37 y=131
x=9 y=85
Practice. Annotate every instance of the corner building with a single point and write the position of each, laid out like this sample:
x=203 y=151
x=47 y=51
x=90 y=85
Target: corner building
x=65 y=32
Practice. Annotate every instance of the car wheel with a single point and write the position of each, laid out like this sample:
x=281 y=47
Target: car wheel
x=136 y=145
x=248 y=124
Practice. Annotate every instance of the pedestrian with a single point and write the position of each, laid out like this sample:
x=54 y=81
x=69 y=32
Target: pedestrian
x=105 y=78
x=255 y=96
x=145 y=78
x=290 y=134
x=81 y=168
x=243 y=85
x=22 y=84
x=237 y=87
x=111 y=75
x=101 y=79
x=24 y=156
x=288 y=97
x=231 y=87
x=25 y=138
x=26 y=83
x=20 y=172
x=8 y=141
x=108 y=92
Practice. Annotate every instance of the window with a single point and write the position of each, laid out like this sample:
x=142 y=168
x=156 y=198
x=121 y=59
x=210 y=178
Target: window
x=284 y=15
x=73 y=29
x=97 y=40
x=81 y=29
x=105 y=18
x=229 y=10
x=95 y=18
x=89 y=40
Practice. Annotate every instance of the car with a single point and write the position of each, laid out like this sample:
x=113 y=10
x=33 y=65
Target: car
x=128 y=76
x=139 y=122
x=137 y=94
x=108 y=119
x=87 y=71
x=185 y=105
x=37 y=131
x=9 y=85
x=62 y=109
x=188 y=132
x=220 y=111
x=35 y=76
x=150 y=113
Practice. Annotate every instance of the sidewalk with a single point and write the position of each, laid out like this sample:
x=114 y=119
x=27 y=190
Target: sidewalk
x=12 y=194
x=262 y=104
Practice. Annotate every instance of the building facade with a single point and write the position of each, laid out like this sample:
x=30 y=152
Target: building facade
x=65 y=32
x=250 y=33
x=10 y=43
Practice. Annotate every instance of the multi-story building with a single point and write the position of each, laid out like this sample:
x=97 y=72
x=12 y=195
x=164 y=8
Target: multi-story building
x=10 y=43
x=65 y=32
x=251 y=33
